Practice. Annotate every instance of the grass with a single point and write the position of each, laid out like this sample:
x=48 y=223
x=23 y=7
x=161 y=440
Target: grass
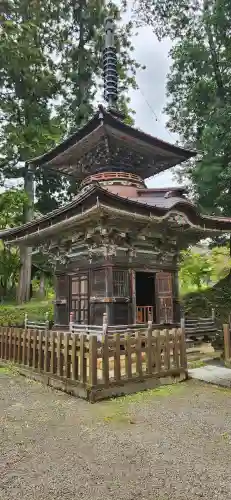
x=197 y=364
x=4 y=369
x=118 y=410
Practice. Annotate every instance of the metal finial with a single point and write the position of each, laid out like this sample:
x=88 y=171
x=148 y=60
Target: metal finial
x=110 y=64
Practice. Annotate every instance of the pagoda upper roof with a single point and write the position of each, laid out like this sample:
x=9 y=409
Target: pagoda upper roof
x=106 y=141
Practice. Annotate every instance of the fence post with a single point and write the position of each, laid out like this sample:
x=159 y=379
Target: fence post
x=92 y=360
x=149 y=355
x=183 y=356
x=226 y=342
x=213 y=314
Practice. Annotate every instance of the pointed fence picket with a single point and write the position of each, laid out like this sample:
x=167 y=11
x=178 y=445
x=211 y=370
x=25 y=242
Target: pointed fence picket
x=85 y=361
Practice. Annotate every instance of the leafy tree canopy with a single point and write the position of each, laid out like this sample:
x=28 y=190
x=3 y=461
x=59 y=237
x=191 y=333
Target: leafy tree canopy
x=198 y=89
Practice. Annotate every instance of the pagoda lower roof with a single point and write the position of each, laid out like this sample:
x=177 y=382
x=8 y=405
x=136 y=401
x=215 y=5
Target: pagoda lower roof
x=175 y=211
x=106 y=141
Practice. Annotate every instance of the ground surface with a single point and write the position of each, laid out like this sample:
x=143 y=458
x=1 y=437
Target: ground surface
x=212 y=373
x=174 y=443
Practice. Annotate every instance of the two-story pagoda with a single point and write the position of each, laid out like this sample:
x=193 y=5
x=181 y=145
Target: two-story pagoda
x=115 y=247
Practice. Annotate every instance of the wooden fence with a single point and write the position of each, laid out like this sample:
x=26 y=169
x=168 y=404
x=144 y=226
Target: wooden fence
x=85 y=366
x=227 y=342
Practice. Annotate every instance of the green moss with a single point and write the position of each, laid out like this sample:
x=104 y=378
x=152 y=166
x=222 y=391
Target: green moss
x=4 y=369
x=14 y=315
x=118 y=411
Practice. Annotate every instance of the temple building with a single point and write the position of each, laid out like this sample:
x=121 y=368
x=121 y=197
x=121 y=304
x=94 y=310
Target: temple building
x=115 y=247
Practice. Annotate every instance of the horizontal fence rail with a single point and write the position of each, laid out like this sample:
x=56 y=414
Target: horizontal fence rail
x=118 y=358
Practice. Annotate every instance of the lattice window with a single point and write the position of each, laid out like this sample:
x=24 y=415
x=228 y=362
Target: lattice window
x=80 y=298
x=98 y=283
x=164 y=297
x=120 y=284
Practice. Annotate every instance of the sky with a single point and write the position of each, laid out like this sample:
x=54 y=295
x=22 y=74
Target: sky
x=150 y=99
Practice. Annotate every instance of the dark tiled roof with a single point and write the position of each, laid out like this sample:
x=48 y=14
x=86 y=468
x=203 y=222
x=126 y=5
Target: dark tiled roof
x=159 y=206
x=68 y=157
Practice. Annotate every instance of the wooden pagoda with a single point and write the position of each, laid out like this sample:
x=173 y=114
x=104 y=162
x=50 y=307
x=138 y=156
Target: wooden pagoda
x=115 y=247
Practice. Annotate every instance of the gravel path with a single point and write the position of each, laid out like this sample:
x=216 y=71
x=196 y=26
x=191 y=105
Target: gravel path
x=174 y=443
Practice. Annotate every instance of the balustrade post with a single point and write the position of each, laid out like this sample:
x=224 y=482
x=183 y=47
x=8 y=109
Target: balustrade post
x=71 y=321
x=105 y=324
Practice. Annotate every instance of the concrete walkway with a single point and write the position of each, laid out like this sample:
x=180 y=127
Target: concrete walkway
x=212 y=373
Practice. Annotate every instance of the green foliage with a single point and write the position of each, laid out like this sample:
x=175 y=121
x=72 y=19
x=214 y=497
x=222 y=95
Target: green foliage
x=199 y=91
x=195 y=270
x=12 y=203
x=199 y=269
x=200 y=304
x=14 y=315
x=50 y=68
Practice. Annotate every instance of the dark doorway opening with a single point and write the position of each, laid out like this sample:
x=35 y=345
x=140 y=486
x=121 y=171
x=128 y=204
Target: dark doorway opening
x=145 y=296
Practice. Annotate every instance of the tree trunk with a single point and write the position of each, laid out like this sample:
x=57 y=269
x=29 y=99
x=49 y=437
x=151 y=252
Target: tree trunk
x=23 y=293
x=42 y=286
x=214 y=56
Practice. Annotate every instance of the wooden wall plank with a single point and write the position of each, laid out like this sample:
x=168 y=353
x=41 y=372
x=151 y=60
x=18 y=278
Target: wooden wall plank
x=176 y=348
x=138 y=355
x=46 y=352
x=66 y=356
x=166 y=349
x=40 y=339
x=58 y=347
x=28 y=348
x=128 y=358
x=74 y=359
x=158 y=359
x=34 y=357
x=14 y=345
x=82 y=360
x=24 y=336
x=10 y=354
x=52 y=351
x=105 y=361
x=149 y=352
x=19 y=335
x=117 y=367
x=93 y=360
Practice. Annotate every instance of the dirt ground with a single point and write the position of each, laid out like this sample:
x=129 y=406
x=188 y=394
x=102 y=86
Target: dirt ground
x=172 y=443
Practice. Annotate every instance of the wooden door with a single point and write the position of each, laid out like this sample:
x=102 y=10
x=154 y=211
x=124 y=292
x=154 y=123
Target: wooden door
x=164 y=297
x=80 y=298
x=62 y=293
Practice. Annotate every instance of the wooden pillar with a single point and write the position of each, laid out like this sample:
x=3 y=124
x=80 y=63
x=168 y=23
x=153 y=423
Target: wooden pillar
x=176 y=297
x=109 y=294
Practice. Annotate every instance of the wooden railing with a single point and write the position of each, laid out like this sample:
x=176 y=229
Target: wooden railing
x=144 y=314
x=94 y=369
x=200 y=327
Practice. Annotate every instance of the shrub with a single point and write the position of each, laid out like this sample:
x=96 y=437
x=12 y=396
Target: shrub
x=14 y=315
